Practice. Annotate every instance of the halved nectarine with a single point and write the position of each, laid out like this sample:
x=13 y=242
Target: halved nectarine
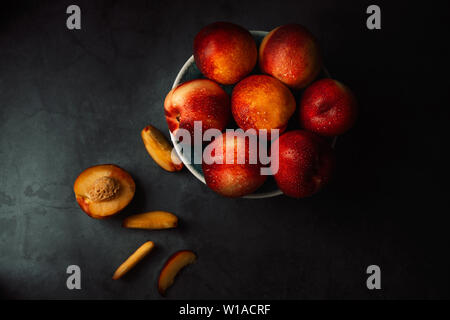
x=174 y=264
x=104 y=190
x=151 y=220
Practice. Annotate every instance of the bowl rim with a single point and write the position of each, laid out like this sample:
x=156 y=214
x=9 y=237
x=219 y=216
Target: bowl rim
x=188 y=165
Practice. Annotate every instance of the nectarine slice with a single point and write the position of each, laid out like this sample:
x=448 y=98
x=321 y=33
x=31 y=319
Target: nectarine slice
x=132 y=260
x=160 y=149
x=151 y=220
x=104 y=190
x=173 y=265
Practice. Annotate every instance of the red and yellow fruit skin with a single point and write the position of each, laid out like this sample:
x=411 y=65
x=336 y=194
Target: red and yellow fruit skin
x=328 y=108
x=262 y=102
x=233 y=180
x=173 y=265
x=197 y=100
x=290 y=53
x=305 y=165
x=225 y=52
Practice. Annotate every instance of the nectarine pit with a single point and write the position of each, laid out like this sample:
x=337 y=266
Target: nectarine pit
x=104 y=188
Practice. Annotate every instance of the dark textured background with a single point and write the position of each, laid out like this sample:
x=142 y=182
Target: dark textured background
x=72 y=99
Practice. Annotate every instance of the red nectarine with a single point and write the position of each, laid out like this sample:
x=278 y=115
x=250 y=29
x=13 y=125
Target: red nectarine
x=328 y=108
x=237 y=177
x=225 y=52
x=262 y=102
x=197 y=100
x=291 y=54
x=306 y=163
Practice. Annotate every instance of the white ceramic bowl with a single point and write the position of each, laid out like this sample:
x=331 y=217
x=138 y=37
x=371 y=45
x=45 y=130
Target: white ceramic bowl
x=189 y=71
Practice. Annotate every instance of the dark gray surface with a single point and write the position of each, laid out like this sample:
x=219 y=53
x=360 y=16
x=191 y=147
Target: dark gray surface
x=73 y=99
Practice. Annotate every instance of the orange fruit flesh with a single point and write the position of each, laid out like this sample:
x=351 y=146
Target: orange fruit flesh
x=101 y=209
x=175 y=263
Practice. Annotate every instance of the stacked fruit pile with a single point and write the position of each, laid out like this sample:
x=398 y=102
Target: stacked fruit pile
x=290 y=60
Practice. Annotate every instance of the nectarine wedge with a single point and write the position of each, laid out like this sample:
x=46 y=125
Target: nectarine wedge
x=173 y=265
x=132 y=260
x=160 y=149
x=104 y=190
x=151 y=220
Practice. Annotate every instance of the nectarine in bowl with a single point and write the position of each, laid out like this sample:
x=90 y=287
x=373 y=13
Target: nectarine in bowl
x=189 y=72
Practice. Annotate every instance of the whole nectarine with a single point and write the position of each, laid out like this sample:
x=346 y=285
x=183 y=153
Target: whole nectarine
x=225 y=52
x=197 y=100
x=306 y=163
x=262 y=102
x=229 y=169
x=290 y=53
x=328 y=108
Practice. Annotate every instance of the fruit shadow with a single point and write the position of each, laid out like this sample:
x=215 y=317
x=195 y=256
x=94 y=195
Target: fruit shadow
x=4 y=293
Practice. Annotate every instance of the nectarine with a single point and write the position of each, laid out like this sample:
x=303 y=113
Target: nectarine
x=225 y=52
x=306 y=163
x=197 y=100
x=328 y=108
x=104 y=190
x=174 y=264
x=160 y=149
x=291 y=54
x=262 y=102
x=133 y=260
x=236 y=179
x=151 y=220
